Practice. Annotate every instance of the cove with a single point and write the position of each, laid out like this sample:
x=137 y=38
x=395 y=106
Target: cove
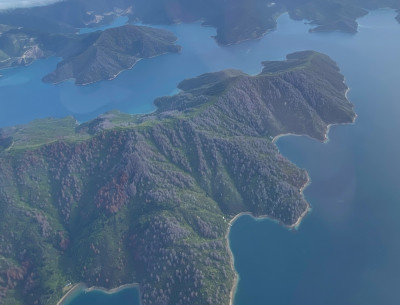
x=346 y=250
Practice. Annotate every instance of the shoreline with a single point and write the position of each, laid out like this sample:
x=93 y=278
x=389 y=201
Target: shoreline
x=328 y=127
x=337 y=124
x=73 y=79
x=297 y=224
x=112 y=290
x=326 y=137
x=70 y=292
x=81 y=287
x=294 y=226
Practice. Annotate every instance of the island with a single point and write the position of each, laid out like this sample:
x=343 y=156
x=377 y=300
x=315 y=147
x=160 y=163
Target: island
x=149 y=199
x=87 y=58
x=235 y=20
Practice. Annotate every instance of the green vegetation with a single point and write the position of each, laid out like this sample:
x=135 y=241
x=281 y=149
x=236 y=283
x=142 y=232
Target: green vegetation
x=148 y=198
x=41 y=132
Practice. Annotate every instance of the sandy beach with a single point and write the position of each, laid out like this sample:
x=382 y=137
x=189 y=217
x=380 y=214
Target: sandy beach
x=82 y=287
x=74 y=290
x=113 y=290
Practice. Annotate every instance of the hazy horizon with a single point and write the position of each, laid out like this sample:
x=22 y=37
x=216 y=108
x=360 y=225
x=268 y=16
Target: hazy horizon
x=11 y=4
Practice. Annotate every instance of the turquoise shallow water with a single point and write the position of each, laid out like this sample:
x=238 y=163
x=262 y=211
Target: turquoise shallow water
x=347 y=250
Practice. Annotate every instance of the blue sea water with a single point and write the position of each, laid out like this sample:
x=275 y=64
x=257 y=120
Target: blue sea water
x=24 y=97
x=347 y=250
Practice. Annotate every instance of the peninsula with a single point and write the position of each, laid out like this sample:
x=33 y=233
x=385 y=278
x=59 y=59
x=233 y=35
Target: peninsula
x=87 y=58
x=147 y=199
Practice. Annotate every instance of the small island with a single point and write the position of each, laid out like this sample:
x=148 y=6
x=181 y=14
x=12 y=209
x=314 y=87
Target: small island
x=87 y=58
x=149 y=199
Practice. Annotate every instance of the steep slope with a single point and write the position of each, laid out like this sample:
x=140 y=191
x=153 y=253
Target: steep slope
x=148 y=198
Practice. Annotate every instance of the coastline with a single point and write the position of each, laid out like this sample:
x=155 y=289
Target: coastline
x=326 y=137
x=113 y=290
x=115 y=75
x=118 y=73
x=81 y=287
x=334 y=124
x=328 y=127
x=228 y=245
x=294 y=226
x=74 y=290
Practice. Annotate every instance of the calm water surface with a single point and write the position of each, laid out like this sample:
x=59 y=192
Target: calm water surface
x=24 y=97
x=347 y=250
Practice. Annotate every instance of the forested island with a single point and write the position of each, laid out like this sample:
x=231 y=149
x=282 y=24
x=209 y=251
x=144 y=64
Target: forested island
x=86 y=58
x=234 y=20
x=148 y=198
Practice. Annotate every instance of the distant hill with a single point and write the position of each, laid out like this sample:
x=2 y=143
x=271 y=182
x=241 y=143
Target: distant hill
x=148 y=198
x=89 y=57
x=108 y=53
x=235 y=20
